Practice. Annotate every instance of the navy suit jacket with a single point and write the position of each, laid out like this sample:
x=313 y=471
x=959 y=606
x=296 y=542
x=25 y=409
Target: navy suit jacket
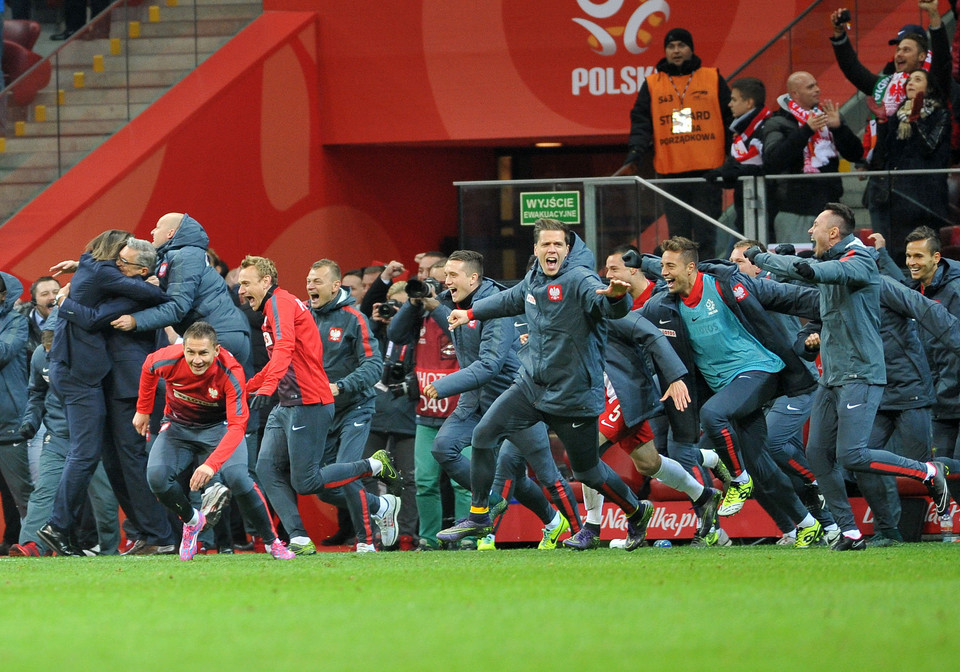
x=84 y=351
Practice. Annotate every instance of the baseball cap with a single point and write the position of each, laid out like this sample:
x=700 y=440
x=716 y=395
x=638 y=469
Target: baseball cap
x=906 y=30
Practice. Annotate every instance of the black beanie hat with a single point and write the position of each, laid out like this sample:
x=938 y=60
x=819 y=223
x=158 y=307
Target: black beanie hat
x=681 y=34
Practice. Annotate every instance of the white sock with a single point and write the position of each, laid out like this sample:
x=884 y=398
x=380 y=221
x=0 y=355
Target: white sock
x=931 y=472
x=710 y=458
x=792 y=534
x=383 y=506
x=593 y=503
x=831 y=527
x=552 y=525
x=195 y=519
x=302 y=541
x=674 y=475
x=807 y=521
x=742 y=478
x=376 y=466
x=852 y=534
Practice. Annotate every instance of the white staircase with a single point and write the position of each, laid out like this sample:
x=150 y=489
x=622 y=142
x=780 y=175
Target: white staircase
x=98 y=85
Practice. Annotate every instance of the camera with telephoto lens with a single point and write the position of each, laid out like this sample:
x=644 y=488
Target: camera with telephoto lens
x=409 y=387
x=388 y=309
x=422 y=289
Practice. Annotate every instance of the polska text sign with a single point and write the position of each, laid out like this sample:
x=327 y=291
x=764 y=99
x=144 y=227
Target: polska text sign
x=560 y=205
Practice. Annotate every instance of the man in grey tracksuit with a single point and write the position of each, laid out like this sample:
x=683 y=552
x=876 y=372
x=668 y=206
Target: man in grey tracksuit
x=565 y=304
x=854 y=374
x=487 y=354
x=14 y=332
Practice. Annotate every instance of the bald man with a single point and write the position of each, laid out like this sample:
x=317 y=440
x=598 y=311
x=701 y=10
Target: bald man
x=197 y=290
x=805 y=136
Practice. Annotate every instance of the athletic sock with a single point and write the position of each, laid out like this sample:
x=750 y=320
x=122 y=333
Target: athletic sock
x=931 y=471
x=852 y=534
x=302 y=541
x=673 y=474
x=382 y=508
x=195 y=519
x=552 y=525
x=742 y=478
x=807 y=521
x=710 y=458
x=831 y=527
x=593 y=527
x=593 y=503
x=376 y=466
x=480 y=514
x=791 y=533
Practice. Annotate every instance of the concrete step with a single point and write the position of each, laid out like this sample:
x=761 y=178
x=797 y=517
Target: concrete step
x=39 y=145
x=133 y=63
x=82 y=54
x=145 y=94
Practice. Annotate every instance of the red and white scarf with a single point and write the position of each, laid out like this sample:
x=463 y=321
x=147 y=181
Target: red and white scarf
x=745 y=148
x=820 y=148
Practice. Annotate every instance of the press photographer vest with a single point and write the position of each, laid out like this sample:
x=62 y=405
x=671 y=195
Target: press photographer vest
x=675 y=149
x=436 y=358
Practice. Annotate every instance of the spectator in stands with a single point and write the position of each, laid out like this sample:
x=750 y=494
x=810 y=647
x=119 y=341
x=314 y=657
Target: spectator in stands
x=804 y=137
x=682 y=118
x=75 y=16
x=369 y=277
x=748 y=98
x=376 y=292
x=916 y=137
x=886 y=91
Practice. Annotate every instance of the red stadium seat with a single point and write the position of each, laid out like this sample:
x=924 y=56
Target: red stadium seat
x=24 y=33
x=17 y=61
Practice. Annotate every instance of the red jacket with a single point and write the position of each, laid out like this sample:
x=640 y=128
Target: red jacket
x=295 y=369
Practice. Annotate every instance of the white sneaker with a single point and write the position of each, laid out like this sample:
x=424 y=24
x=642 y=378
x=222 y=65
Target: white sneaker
x=366 y=548
x=388 y=521
x=787 y=540
x=618 y=543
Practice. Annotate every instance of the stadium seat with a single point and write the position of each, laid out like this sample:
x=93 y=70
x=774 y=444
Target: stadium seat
x=16 y=62
x=23 y=32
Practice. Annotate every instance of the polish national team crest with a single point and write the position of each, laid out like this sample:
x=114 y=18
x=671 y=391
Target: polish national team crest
x=740 y=292
x=213 y=392
x=555 y=292
x=162 y=271
x=335 y=335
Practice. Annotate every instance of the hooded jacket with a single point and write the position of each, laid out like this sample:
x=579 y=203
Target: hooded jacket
x=43 y=403
x=944 y=288
x=197 y=291
x=486 y=353
x=351 y=355
x=14 y=333
x=849 y=284
x=562 y=365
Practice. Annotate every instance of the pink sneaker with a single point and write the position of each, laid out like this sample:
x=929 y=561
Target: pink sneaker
x=280 y=551
x=188 y=544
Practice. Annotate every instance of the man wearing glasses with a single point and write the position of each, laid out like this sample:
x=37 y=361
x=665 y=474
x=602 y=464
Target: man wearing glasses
x=125 y=451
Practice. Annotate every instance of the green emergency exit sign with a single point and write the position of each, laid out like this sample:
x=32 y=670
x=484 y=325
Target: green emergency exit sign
x=561 y=205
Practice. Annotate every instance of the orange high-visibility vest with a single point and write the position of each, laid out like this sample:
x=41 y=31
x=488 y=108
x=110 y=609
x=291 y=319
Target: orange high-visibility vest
x=700 y=148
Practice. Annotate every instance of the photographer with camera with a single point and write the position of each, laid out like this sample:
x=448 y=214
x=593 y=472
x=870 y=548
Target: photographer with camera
x=415 y=328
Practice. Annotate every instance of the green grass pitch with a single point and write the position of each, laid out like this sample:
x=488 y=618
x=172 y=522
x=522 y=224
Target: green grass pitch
x=743 y=608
